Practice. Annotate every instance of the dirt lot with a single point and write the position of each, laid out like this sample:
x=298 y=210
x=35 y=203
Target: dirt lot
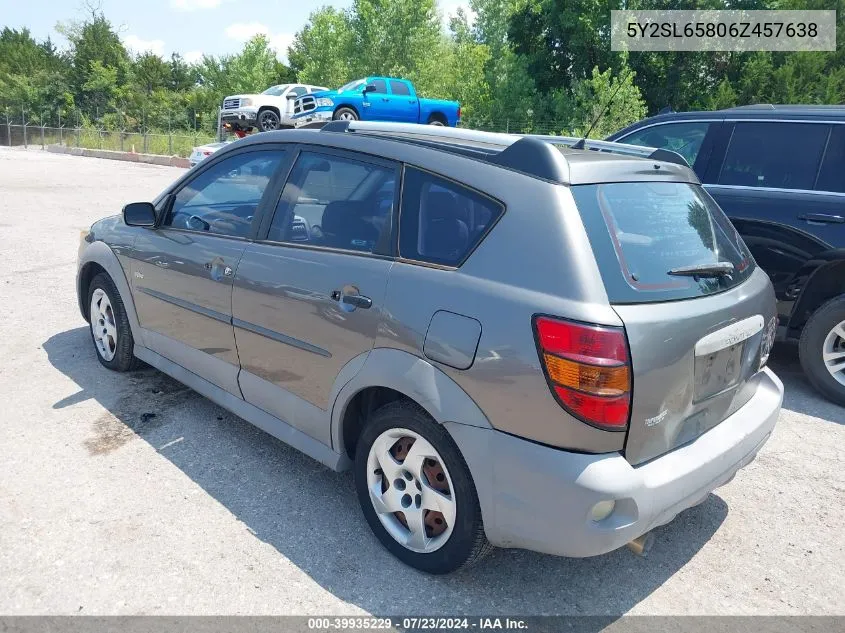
x=131 y=494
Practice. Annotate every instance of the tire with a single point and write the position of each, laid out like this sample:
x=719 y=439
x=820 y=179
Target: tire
x=438 y=122
x=345 y=114
x=268 y=121
x=824 y=334
x=114 y=348
x=459 y=545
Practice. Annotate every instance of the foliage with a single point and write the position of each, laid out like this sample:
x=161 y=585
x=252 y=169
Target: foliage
x=516 y=65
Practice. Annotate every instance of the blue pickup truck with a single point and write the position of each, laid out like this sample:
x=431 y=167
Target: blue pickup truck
x=375 y=99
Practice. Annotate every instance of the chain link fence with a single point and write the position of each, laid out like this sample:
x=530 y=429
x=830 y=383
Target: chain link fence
x=110 y=130
x=168 y=133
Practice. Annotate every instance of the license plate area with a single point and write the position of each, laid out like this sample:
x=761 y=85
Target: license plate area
x=717 y=372
x=719 y=358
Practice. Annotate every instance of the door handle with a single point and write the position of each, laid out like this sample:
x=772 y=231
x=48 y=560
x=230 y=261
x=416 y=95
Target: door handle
x=354 y=300
x=823 y=218
x=359 y=301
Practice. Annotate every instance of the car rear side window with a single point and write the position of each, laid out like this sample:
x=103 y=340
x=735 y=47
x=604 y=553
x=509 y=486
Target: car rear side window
x=336 y=202
x=685 y=138
x=399 y=88
x=832 y=172
x=441 y=222
x=640 y=231
x=223 y=199
x=380 y=84
x=777 y=155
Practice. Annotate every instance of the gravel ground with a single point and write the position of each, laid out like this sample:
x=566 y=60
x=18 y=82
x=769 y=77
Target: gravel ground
x=130 y=494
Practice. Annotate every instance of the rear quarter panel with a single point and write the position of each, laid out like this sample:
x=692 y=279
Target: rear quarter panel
x=448 y=109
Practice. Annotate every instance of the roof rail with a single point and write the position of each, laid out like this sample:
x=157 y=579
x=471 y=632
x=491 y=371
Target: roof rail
x=653 y=153
x=523 y=152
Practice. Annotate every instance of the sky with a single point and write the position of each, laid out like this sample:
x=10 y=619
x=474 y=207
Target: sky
x=189 y=27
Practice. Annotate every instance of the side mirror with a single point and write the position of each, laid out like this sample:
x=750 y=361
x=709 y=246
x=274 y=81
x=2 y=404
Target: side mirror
x=369 y=88
x=291 y=96
x=139 y=214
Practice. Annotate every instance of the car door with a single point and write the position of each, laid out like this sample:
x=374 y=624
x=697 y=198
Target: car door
x=403 y=104
x=780 y=184
x=308 y=295
x=182 y=270
x=376 y=104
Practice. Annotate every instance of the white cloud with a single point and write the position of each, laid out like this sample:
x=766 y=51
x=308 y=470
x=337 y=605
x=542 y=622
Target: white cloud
x=194 y=5
x=242 y=31
x=192 y=57
x=138 y=45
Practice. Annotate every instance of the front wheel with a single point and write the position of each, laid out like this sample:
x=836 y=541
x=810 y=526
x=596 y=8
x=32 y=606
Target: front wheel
x=345 y=114
x=268 y=121
x=110 y=330
x=822 y=350
x=416 y=491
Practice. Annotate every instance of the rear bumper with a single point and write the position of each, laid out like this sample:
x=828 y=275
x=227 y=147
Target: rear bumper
x=539 y=498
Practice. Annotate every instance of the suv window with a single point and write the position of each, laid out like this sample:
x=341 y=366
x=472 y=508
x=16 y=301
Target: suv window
x=335 y=202
x=640 y=231
x=779 y=155
x=832 y=173
x=380 y=84
x=223 y=199
x=685 y=138
x=399 y=88
x=441 y=222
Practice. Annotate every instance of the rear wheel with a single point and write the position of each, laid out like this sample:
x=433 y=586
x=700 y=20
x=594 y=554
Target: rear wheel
x=416 y=491
x=268 y=121
x=822 y=349
x=436 y=121
x=110 y=330
x=345 y=114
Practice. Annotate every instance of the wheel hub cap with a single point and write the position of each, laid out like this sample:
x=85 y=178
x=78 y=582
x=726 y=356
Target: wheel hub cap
x=103 y=325
x=833 y=352
x=411 y=490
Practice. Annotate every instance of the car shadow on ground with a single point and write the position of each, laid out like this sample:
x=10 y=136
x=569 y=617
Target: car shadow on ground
x=310 y=514
x=799 y=395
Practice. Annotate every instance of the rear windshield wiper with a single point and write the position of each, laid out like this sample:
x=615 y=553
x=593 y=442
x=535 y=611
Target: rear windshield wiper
x=716 y=269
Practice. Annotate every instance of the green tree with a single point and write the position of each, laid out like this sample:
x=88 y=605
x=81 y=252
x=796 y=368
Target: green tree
x=322 y=51
x=608 y=100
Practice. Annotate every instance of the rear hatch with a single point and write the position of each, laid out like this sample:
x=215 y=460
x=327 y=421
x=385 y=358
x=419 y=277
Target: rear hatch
x=697 y=312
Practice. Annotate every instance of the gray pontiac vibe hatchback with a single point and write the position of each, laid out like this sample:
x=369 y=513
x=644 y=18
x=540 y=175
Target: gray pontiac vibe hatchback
x=513 y=341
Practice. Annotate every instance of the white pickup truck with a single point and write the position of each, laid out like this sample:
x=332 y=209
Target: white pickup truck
x=270 y=110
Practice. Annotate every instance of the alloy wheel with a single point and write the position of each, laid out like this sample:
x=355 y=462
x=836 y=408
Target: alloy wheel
x=103 y=325
x=411 y=490
x=833 y=352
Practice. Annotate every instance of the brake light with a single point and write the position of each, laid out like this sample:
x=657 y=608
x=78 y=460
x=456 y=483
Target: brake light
x=459 y=113
x=588 y=369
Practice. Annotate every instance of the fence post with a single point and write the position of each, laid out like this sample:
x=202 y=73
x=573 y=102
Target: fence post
x=169 y=137
x=220 y=123
x=77 y=128
x=8 y=130
x=42 y=129
x=23 y=120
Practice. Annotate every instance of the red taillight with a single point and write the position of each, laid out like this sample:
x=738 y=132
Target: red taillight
x=207 y=153
x=459 y=113
x=588 y=369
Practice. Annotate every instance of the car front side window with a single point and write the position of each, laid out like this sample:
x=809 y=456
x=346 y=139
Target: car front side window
x=685 y=138
x=224 y=198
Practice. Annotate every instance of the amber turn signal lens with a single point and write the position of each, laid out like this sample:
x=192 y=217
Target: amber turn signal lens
x=595 y=379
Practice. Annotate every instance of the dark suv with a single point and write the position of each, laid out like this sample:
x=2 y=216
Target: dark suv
x=779 y=174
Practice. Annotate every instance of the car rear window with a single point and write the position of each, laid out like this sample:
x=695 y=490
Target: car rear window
x=640 y=231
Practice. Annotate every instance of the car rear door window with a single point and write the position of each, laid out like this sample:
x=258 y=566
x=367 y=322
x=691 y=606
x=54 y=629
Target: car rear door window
x=399 y=88
x=336 y=202
x=774 y=154
x=685 y=138
x=224 y=198
x=441 y=222
x=832 y=172
x=640 y=231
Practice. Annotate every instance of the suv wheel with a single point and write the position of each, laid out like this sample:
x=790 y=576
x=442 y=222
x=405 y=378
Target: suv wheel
x=268 y=121
x=110 y=329
x=416 y=491
x=822 y=349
